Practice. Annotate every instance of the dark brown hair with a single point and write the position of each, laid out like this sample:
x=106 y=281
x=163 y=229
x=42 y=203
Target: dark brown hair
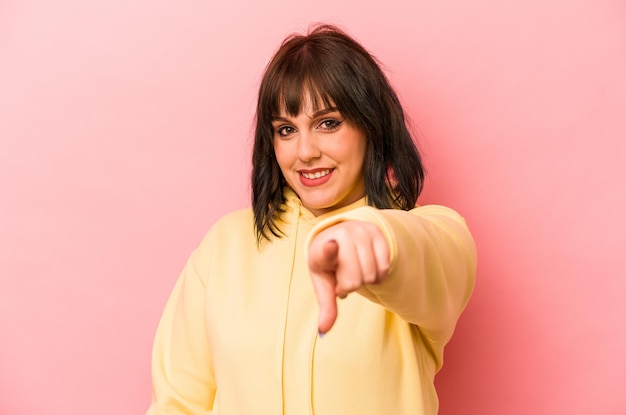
x=333 y=70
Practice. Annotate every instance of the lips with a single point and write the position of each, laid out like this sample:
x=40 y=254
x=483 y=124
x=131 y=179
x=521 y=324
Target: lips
x=315 y=177
x=317 y=174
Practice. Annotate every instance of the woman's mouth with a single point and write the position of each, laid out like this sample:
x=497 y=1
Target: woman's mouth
x=317 y=174
x=315 y=178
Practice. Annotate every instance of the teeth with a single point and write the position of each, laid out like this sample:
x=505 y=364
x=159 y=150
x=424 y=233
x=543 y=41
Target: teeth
x=317 y=174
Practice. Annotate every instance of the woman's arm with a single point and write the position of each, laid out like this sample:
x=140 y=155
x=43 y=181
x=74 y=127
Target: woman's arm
x=429 y=276
x=182 y=369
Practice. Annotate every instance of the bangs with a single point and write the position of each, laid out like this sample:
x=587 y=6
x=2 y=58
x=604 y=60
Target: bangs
x=293 y=96
x=300 y=81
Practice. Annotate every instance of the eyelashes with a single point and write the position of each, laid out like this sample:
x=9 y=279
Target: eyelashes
x=285 y=131
x=330 y=124
x=325 y=125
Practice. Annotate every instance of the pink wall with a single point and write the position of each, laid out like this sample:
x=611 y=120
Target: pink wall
x=125 y=132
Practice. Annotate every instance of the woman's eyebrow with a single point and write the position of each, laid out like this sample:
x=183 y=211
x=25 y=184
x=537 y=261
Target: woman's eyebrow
x=278 y=118
x=316 y=114
x=323 y=112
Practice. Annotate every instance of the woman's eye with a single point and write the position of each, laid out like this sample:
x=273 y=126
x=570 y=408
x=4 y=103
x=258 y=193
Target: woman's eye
x=285 y=130
x=330 y=124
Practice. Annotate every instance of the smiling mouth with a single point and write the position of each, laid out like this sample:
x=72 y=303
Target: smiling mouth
x=317 y=174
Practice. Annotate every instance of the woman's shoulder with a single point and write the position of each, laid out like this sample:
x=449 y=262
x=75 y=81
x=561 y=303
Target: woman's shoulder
x=244 y=215
x=237 y=225
x=241 y=219
x=225 y=240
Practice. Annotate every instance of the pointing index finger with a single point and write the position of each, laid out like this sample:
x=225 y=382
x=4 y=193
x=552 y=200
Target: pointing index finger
x=323 y=277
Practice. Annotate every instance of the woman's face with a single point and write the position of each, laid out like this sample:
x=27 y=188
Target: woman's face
x=321 y=157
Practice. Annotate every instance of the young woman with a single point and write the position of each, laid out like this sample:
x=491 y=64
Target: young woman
x=335 y=293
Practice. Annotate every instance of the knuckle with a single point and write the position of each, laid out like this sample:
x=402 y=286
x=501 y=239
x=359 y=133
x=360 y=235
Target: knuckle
x=382 y=273
x=345 y=287
x=370 y=278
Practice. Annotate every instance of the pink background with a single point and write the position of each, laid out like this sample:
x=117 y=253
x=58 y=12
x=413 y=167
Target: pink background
x=125 y=132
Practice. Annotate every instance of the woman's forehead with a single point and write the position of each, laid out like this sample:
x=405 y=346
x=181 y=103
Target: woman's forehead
x=303 y=101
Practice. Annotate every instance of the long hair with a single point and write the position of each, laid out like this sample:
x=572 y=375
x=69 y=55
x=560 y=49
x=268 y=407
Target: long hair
x=333 y=69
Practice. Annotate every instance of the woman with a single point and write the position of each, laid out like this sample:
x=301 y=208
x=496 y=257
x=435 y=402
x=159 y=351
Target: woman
x=334 y=294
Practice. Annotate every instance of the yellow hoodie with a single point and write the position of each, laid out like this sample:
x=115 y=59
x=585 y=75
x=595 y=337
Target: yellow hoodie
x=239 y=333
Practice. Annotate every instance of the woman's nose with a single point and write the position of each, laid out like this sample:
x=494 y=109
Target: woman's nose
x=308 y=148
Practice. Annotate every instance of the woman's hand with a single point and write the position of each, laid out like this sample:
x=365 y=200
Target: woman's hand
x=342 y=259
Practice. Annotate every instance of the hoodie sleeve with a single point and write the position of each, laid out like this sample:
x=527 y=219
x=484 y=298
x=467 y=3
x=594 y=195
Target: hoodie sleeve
x=433 y=265
x=182 y=369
